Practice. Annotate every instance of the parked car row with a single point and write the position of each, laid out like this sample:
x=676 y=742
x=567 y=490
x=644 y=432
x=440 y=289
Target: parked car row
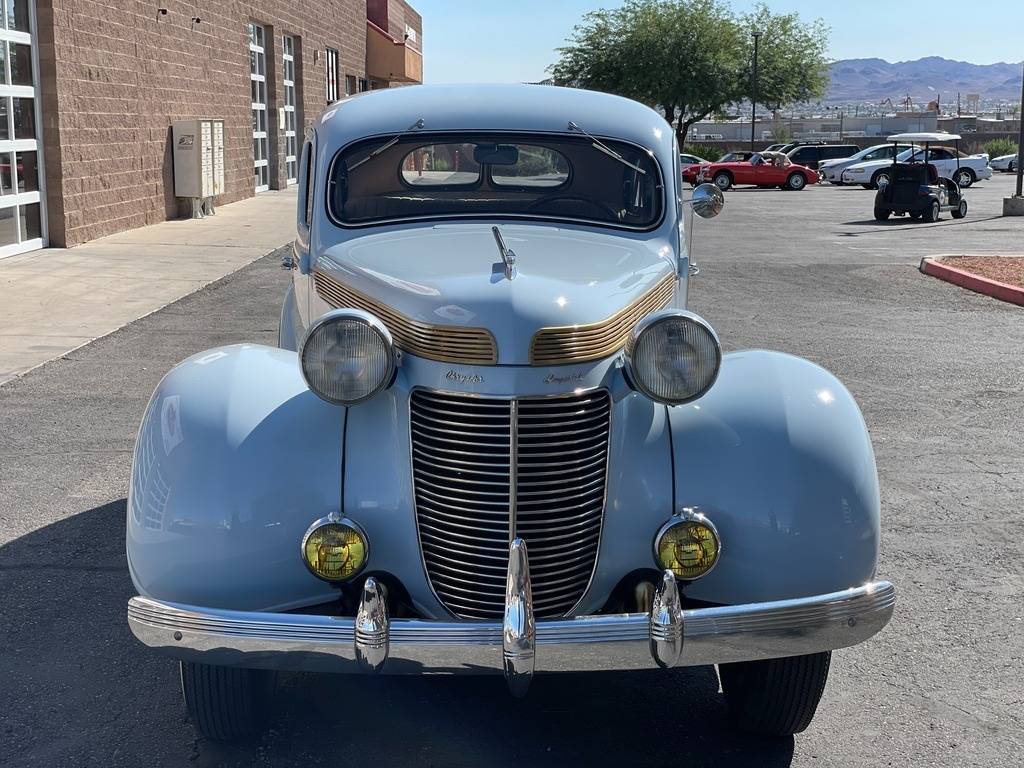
x=841 y=164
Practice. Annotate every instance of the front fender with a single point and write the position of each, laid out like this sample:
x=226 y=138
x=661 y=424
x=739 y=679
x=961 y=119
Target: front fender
x=778 y=456
x=220 y=493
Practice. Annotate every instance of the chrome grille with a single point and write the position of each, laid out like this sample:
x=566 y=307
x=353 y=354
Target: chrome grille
x=462 y=458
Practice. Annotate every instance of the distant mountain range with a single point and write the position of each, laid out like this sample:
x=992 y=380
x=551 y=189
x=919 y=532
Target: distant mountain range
x=877 y=79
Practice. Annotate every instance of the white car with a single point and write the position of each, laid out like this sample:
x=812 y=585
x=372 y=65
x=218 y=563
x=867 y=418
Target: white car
x=832 y=170
x=971 y=168
x=1007 y=163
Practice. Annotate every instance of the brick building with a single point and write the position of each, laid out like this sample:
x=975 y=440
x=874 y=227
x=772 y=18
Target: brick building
x=89 y=90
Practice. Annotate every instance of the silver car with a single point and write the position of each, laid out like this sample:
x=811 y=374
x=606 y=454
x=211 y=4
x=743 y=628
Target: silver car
x=832 y=170
x=493 y=438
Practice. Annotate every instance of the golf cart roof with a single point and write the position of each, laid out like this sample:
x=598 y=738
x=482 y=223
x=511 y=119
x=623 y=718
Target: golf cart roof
x=921 y=138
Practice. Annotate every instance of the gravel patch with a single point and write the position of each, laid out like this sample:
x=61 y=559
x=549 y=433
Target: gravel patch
x=1002 y=269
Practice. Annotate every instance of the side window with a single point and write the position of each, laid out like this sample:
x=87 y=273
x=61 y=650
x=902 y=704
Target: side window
x=802 y=155
x=306 y=185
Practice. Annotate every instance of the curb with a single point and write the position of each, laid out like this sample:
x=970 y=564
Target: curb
x=997 y=290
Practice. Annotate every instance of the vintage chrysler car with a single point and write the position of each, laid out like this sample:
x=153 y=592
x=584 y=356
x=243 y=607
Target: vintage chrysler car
x=492 y=437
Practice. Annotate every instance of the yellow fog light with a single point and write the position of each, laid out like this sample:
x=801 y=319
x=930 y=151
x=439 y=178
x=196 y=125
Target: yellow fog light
x=334 y=549
x=688 y=545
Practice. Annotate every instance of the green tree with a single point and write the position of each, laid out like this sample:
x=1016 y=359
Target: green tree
x=792 y=65
x=691 y=58
x=680 y=56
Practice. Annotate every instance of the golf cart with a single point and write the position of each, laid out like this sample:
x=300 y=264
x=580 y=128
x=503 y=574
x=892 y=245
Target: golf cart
x=915 y=188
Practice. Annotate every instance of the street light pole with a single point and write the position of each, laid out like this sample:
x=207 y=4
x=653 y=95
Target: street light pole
x=753 y=94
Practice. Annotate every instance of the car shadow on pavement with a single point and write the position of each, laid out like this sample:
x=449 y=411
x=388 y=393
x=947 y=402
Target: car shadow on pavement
x=69 y=658
x=898 y=221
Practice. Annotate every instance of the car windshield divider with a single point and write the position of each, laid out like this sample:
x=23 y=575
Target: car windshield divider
x=598 y=145
x=388 y=144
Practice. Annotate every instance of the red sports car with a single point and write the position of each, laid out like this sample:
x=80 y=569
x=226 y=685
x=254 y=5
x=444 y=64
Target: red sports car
x=691 y=170
x=761 y=169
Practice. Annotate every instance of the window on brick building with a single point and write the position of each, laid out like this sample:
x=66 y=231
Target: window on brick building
x=363 y=85
x=290 y=141
x=350 y=84
x=22 y=201
x=333 y=75
x=258 y=81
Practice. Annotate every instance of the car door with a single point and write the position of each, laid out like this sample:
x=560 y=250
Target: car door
x=743 y=172
x=807 y=156
x=943 y=160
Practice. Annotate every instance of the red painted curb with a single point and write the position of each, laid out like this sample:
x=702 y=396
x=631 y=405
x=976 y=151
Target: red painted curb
x=973 y=282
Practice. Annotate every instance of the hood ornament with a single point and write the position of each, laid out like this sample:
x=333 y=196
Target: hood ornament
x=508 y=256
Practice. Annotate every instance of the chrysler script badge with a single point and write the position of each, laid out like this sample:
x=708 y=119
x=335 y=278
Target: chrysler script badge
x=464 y=378
x=569 y=378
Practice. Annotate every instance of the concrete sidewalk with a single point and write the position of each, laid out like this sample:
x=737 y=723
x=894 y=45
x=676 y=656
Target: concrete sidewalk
x=55 y=300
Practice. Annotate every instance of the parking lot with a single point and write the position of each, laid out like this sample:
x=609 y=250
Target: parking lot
x=937 y=371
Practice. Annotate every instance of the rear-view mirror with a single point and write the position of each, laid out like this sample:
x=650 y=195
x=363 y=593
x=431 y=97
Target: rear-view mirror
x=496 y=154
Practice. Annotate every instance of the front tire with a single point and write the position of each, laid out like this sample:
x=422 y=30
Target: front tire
x=796 y=182
x=960 y=211
x=775 y=697
x=880 y=179
x=722 y=180
x=227 y=703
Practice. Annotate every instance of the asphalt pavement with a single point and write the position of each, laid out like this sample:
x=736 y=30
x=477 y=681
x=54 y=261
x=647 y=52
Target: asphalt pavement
x=937 y=370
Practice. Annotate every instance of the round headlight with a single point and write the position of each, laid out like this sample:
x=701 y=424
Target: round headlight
x=673 y=356
x=334 y=549
x=688 y=545
x=347 y=356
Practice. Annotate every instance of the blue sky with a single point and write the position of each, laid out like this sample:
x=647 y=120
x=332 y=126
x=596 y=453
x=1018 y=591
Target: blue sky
x=514 y=40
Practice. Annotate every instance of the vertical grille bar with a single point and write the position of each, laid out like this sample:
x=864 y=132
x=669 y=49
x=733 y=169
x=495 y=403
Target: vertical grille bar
x=486 y=470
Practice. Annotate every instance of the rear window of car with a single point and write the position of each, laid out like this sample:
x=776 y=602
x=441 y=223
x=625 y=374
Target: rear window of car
x=496 y=176
x=831 y=152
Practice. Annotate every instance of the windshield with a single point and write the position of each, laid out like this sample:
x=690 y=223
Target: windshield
x=480 y=175
x=917 y=155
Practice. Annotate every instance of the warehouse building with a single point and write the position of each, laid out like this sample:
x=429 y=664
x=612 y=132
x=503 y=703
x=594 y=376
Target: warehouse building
x=90 y=90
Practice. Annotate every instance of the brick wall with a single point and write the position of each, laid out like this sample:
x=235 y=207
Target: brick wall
x=116 y=74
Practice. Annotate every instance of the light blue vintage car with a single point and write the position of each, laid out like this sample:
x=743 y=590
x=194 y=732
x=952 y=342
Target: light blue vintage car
x=492 y=437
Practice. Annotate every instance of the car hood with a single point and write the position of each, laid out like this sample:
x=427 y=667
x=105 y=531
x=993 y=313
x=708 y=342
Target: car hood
x=453 y=274
x=870 y=165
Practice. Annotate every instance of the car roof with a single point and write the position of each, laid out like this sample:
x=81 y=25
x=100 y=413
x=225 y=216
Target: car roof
x=496 y=107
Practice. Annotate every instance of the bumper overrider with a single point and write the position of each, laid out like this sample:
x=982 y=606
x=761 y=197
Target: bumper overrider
x=666 y=636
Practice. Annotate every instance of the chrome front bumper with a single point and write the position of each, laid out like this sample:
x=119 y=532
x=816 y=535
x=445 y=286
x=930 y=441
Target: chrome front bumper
x=667 y=636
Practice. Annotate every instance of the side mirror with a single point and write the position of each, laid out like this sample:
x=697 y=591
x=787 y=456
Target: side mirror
x=707 y=201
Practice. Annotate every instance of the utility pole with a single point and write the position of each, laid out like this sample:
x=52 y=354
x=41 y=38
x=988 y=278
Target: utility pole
x=753 y=95
x=1020 y=138
x=1014 y=206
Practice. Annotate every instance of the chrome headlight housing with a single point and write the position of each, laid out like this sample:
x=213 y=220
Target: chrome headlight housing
x=673 y=356
x=347 y=356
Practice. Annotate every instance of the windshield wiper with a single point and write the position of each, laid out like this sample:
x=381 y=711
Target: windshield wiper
x=387 y=144
x=600 y=146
